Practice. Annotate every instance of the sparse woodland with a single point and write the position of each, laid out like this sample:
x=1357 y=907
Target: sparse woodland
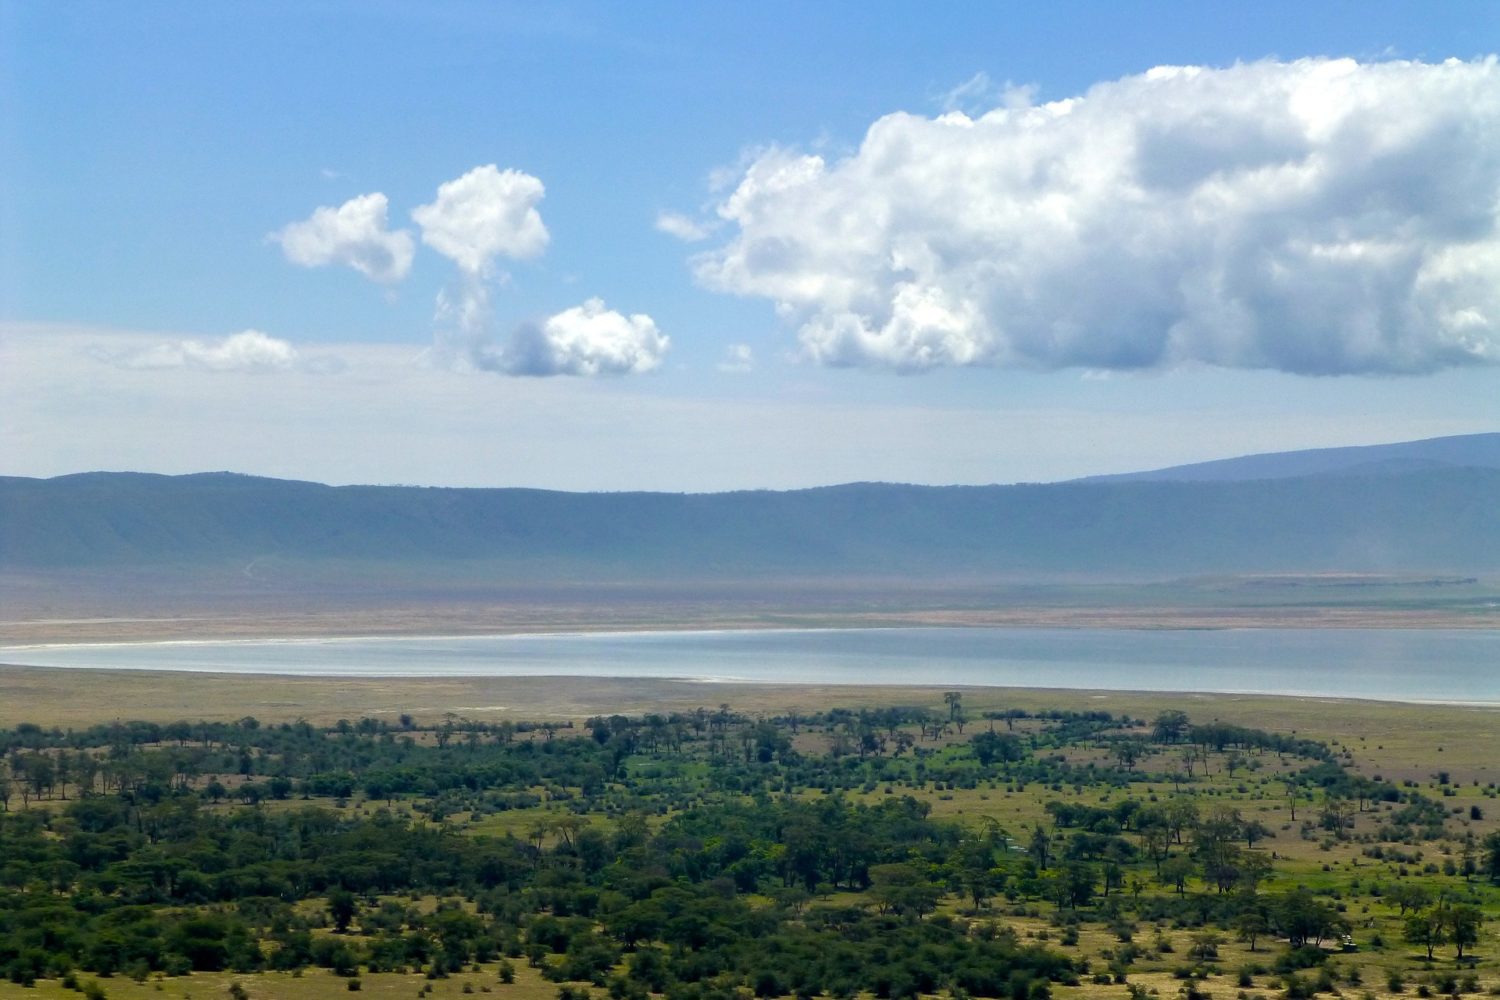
x=890 y=852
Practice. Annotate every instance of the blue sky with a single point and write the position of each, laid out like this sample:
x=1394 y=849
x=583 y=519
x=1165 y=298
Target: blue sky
x=153 y=156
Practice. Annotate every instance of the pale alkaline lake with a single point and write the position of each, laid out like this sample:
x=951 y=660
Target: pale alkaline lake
x=1451 y=665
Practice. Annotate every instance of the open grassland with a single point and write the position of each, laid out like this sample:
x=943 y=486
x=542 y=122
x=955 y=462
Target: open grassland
x=144 y=606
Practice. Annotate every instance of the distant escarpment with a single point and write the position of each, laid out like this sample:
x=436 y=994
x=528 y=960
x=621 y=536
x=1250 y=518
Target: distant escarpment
x=1387 y=517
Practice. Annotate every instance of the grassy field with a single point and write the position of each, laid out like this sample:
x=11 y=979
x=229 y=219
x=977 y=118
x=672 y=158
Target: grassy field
x=144 y=606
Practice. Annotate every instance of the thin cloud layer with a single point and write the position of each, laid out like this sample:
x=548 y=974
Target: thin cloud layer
x=585 y=340
x=1314 y=217
x=738 y=359
x=246 y=351
x=356 y=235
x=484 y=214
x=683 y=227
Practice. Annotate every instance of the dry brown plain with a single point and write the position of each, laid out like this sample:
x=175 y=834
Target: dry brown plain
x=140 y=606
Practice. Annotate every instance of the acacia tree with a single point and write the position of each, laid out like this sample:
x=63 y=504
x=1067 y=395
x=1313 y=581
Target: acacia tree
x=342 y=908
x=1250 y=926
x=1426 y=929
x=1169 y=726
x=1040 y=846
x=1491 y=844
x=901 y=888
x=1181 y=815
x=972 y=864
x=1076 y=882
x=1305 y=919
x=1461 y=923
x=37 y=773
x=1155 y=842
x=1127 y=752
x=1176 y=871
x=1293 y=792
x=991 y=747
x=1408 y=896
x=1190 y=756
x=85 y=770
x=1254 y=868
x=1215 y=842
x=1334 y=815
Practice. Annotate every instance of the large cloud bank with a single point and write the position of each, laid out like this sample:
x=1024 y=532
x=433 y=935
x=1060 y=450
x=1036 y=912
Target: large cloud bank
x=1316 y=217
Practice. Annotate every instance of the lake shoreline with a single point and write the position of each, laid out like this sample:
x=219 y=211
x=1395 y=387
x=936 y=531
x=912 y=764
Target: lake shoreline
x=1435 y=666
x=710 y=683
x=456 y=622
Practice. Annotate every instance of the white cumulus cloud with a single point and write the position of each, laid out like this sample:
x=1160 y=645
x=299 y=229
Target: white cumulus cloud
x=484 y=214
x=1318 y=217
x=585 y=340
x=354 y=234
x=246 y=351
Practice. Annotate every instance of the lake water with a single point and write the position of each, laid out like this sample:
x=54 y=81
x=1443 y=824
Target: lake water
x=1390 y=664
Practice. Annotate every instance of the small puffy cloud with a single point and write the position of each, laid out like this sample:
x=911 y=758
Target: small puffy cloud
x=247 y=351
x=484 y=214
x=585 y=340
x=683 y=227
x=738 y=358
x=1316 y=217
x=354 y=234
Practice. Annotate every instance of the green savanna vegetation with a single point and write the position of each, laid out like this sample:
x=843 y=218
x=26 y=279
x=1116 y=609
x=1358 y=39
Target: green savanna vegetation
x=710 y=854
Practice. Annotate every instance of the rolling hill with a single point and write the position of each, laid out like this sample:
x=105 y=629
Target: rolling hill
x=1461 y=451
x=1424 y=507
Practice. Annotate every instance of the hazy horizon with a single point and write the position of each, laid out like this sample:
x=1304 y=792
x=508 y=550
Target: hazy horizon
x=1221 y=461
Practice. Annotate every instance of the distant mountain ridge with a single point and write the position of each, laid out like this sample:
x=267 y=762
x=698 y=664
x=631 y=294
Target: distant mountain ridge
x=1480 y=451
x=1396 y=508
